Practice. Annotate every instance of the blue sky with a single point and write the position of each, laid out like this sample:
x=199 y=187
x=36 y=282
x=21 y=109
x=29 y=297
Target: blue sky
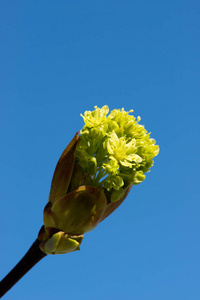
x=60 y=58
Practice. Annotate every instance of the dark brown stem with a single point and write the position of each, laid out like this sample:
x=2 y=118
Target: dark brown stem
x=32 y=257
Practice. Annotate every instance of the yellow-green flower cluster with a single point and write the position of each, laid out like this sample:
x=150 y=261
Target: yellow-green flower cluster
x=113 y=152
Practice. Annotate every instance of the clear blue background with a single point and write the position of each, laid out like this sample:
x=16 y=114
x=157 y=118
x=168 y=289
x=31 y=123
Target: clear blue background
x=60 y=58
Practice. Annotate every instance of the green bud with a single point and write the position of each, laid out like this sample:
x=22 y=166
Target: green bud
x=61 y=243
x=94 y=175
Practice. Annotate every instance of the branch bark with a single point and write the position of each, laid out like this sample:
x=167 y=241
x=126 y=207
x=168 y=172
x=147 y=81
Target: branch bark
x=31 y=258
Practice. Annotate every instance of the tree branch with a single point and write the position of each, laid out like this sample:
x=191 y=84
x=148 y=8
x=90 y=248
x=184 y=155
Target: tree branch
x=32 y=257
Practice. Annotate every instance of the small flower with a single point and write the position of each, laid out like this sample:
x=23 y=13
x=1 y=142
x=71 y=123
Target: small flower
x=96 y=117
x=114 y=151
x=94 y=175
x=122 y=152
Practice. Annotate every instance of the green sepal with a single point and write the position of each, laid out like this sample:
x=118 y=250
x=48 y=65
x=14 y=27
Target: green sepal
x=48 y=216
x=111 y=206
x=79 y=211
x=46 y=232
x=61 y=243
x=63 y=171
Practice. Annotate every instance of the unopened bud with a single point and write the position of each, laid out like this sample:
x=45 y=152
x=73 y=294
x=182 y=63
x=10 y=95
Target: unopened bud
x=61 y=243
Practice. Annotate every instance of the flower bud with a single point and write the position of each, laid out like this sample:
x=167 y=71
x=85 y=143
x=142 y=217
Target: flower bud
x=61 y=243
x=94 y=175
